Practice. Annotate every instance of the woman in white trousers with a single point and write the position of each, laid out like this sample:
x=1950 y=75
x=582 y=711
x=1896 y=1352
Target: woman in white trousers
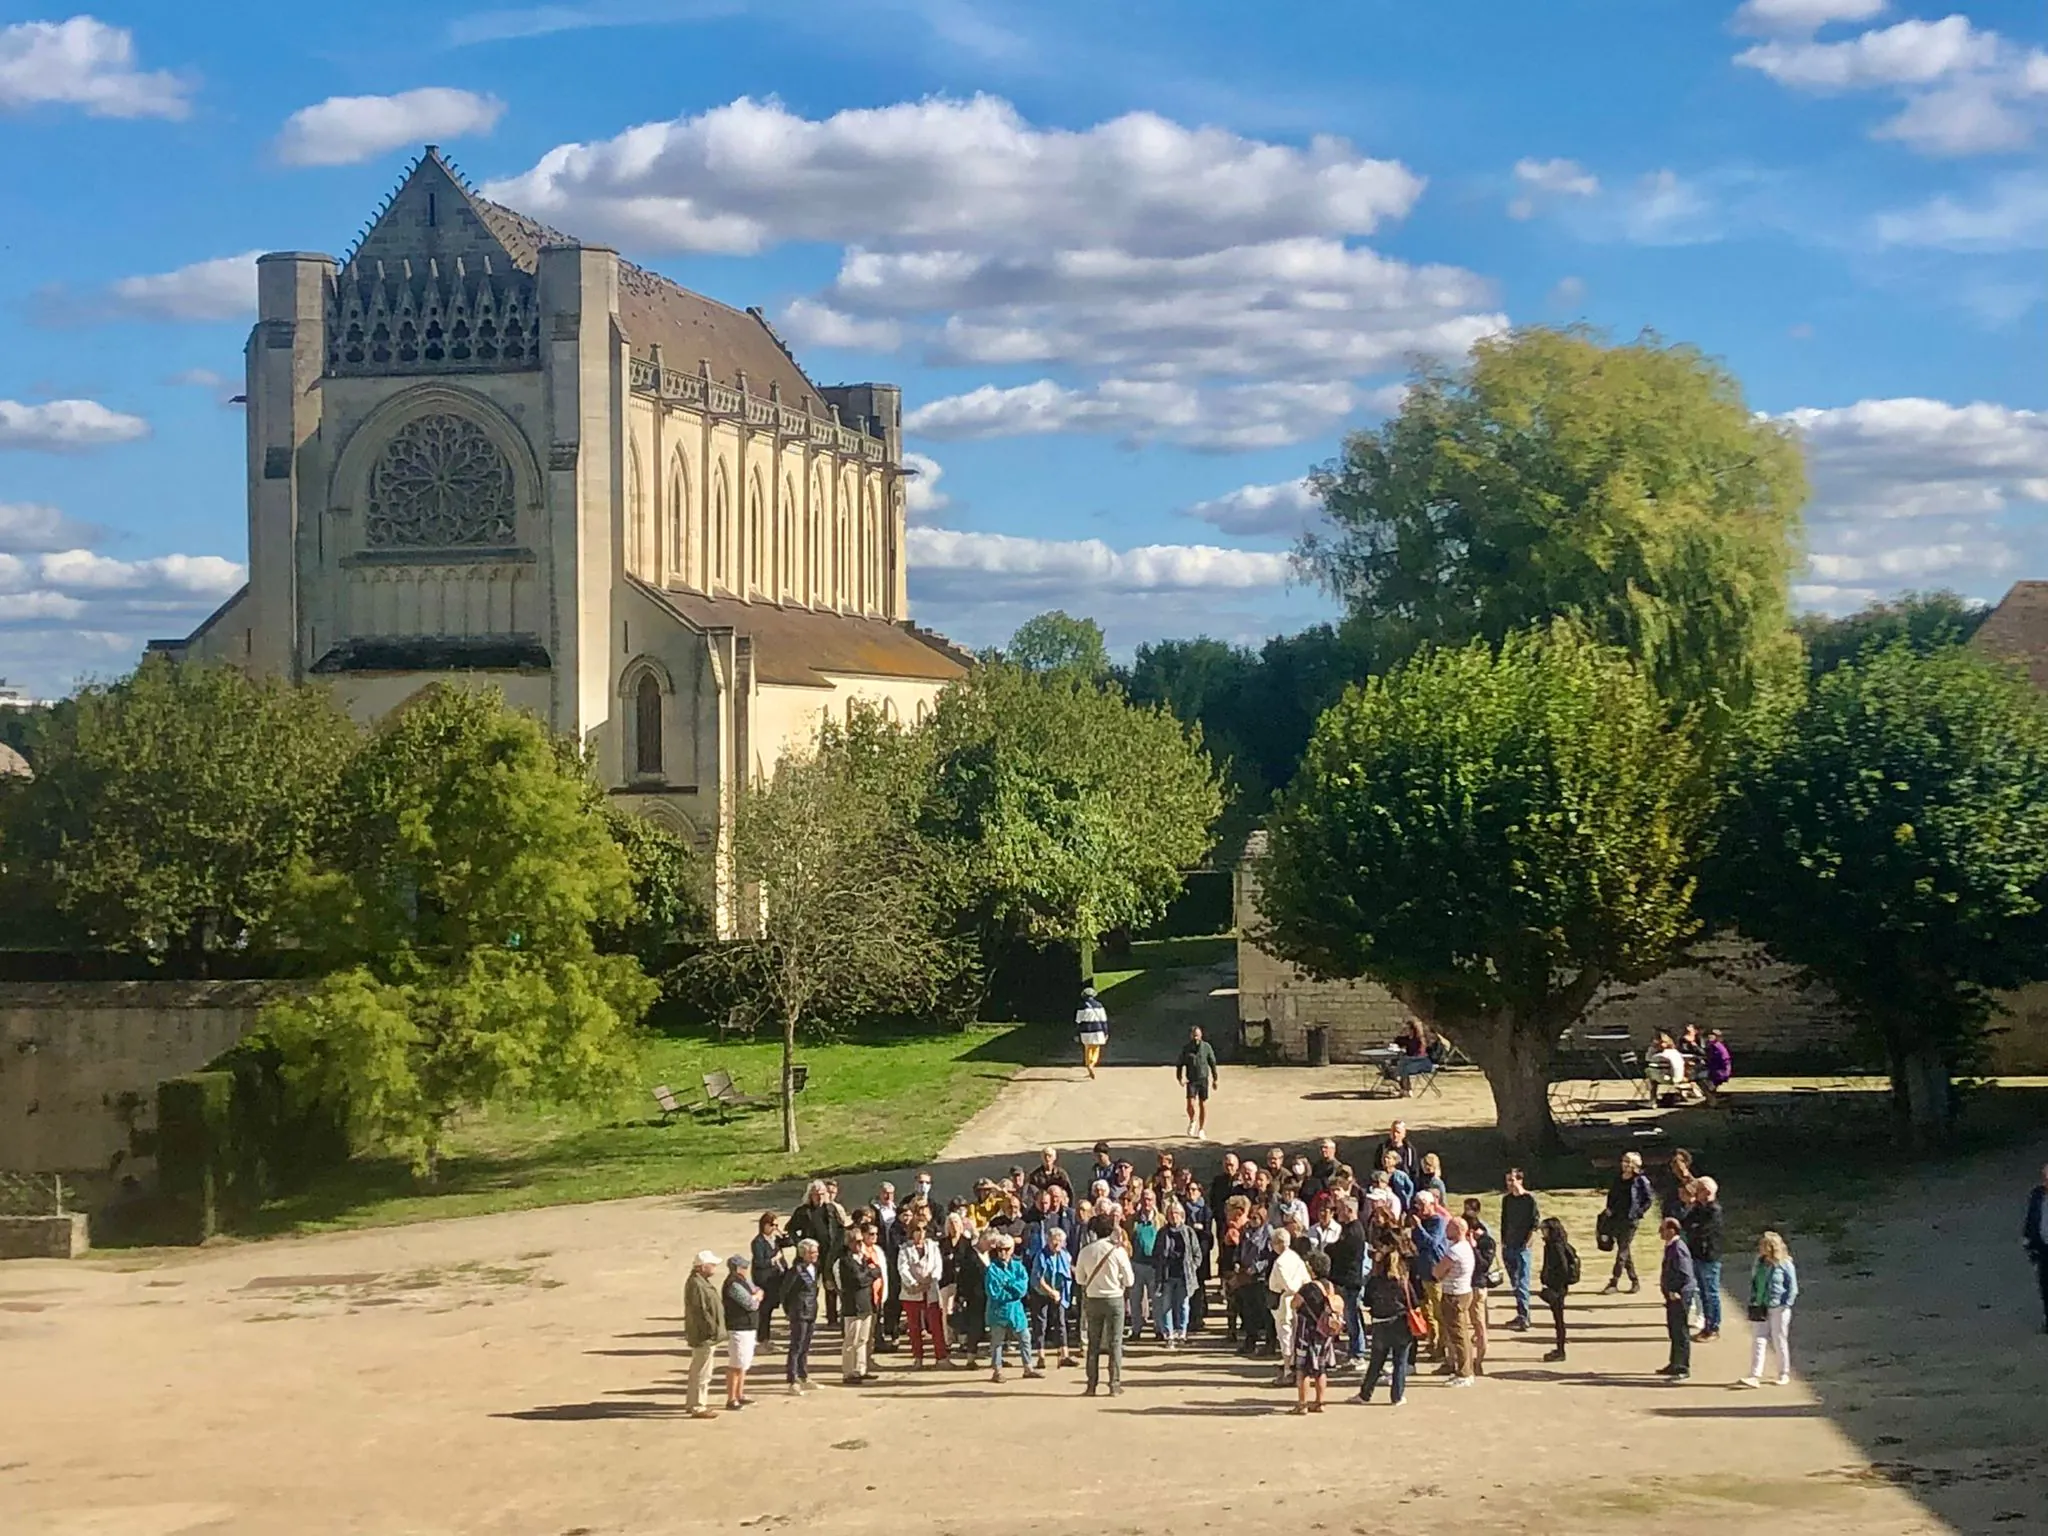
x=1773 y=1289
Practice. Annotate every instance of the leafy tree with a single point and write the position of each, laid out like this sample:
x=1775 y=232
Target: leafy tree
x=838 y=906
x=1062 y=809
x=1491 y=835
x=455 y=887
x=1058 y=642
x=671 y=894
x=1894 y=842
x=1628 y=488
x=167 y=808
x=1924 y=622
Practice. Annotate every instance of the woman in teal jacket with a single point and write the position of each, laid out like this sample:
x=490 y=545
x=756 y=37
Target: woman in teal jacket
x=1006 y=1282
x=1773 y=1288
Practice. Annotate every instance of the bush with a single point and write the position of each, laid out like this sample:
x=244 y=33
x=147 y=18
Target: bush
x=235 y=1135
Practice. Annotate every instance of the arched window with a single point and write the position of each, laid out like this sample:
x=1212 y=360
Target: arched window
x=757 y=537
x=785 y=542
x=819 y=530
x=647 y=726
x=636 y=510
x=720 y=574
x=679 y=542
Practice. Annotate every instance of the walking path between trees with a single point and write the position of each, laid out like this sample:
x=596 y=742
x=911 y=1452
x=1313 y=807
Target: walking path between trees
x=523 y=1373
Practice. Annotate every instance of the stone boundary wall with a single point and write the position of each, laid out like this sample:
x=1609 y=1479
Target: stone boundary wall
x=80 y=1061
x=1731 y=985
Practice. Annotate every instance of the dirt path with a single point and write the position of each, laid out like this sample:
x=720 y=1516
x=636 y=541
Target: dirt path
x=521 y=1374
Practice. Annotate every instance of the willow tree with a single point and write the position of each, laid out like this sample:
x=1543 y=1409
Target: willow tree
x=1628 y=488
x=1491 y=834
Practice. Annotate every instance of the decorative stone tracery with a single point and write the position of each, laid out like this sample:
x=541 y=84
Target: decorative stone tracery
x=440 y=482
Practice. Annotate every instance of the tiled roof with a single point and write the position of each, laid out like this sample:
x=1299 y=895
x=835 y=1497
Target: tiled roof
x=2017 y=629
x=799 y=647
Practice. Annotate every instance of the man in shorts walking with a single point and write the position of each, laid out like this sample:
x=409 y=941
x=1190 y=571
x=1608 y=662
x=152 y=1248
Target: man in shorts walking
x=1196 y=1069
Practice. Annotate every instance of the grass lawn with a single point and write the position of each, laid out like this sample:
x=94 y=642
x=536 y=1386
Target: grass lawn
x=1149 y=969
x=868 y=1104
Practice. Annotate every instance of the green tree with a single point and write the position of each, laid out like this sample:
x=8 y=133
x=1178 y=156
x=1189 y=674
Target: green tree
x=1062 y=809
x=1924 y=622
x=1491 y=835
x=671 y=894
x=1628 y=488
x=836 y=901
x=1894 y=842
x=1058 y=642
x=454 y=891
x=167 y=808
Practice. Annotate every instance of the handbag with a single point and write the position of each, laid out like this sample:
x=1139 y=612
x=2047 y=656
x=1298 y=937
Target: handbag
x=1758 y=1312
x=1603 y=1232
x=1418 y=1325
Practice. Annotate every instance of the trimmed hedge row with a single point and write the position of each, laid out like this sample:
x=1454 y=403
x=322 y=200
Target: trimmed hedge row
x=235 y=1135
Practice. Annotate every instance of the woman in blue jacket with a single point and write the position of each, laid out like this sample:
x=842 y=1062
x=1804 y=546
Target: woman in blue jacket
x=1773 y=1288
x=1177 y=1262
x=1005 y=1284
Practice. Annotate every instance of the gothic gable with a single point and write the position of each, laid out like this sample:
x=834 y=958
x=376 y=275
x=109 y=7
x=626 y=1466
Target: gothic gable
x=432 y=288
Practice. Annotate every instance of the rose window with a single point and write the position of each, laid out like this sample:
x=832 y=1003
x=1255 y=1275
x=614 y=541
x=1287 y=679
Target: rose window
x=440 y=481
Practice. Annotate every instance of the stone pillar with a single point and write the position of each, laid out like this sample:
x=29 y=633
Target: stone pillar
x=583 y=362
x=286 y=355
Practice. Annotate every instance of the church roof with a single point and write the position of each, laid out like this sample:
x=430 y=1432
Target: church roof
x=2017 y=629
x=798 y=647
x=653 y=310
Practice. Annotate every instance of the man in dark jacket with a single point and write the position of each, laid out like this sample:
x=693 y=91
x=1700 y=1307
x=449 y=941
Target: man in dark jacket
x=1196 y=1070
x=703 y=1330
x=1679 y=1284
x=1704 y=1239
x=818 y=1219
x=1348 y=1252
x=2034 y=1233
x=800 y=1306
x=1221 y=1188
x=858 y=1274
x=1519 y=1219
x=1397 y=1142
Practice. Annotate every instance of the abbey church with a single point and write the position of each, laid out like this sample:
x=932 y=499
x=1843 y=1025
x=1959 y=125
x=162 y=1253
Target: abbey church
x=481 y=450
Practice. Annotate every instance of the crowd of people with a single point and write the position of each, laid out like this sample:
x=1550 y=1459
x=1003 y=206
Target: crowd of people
x=1292 y=1257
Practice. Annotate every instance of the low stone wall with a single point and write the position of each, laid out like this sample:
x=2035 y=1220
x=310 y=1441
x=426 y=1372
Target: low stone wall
x=1730 y=985
x=80 y=1061
x=44 y=1237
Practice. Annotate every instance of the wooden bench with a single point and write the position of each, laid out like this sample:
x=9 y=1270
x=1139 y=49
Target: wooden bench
x=723 y=1094
x=670 y=1105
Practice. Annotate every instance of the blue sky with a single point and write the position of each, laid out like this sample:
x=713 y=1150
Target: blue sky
x=1137 y=267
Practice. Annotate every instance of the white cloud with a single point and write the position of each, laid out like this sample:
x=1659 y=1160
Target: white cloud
x=1907 y=53
x=343 y=130
x=198 y=378
x=1282 y=510
x=66 y=426
x=85 y=63
x=1567 y=293
x=1962 y=90
x=1000 y=566
x=809 y=323
x=2012 y=217
x=1302 y=308
x=1265 y=415
x=956 y=175
x=28 y=527
x=222 y=288
x=1913 y=493
x=1545 y=179
x=1802 y=17
x=71 y=612
x=1664 y=208
x=922 y=498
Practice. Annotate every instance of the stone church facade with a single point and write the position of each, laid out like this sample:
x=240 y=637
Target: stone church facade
x=482 y=451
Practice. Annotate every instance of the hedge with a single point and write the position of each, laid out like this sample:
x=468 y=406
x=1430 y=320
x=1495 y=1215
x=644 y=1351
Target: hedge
x=235 y=1135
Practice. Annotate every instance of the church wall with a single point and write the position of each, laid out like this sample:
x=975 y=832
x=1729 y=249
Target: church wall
x=787 y=719
x=368 y=697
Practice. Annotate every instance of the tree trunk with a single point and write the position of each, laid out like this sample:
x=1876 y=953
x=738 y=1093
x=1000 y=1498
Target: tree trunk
x=1920 y=1079
x=1515 y=1054
x=789 y=1143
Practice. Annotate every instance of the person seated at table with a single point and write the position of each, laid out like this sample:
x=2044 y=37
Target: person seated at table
x=1720 y=1066
x=1415 y=1059
x=1667 y=1061
x=1694 y=1049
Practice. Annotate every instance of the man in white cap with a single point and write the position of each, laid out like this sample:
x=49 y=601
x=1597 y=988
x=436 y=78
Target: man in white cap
x=703 y=1330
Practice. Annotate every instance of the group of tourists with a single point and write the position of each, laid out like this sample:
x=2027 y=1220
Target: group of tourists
x=1292 y=1257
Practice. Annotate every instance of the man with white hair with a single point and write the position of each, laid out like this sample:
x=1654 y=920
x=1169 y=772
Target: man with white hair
x=703 y=1330
x=1288 y=1275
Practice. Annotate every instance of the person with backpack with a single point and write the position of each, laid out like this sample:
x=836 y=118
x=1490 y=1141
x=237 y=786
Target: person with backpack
x=1629 y=1200
x=1318 y=1328
x=1486 y=1277
x=1091 y=1023
x=1559 y=1274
